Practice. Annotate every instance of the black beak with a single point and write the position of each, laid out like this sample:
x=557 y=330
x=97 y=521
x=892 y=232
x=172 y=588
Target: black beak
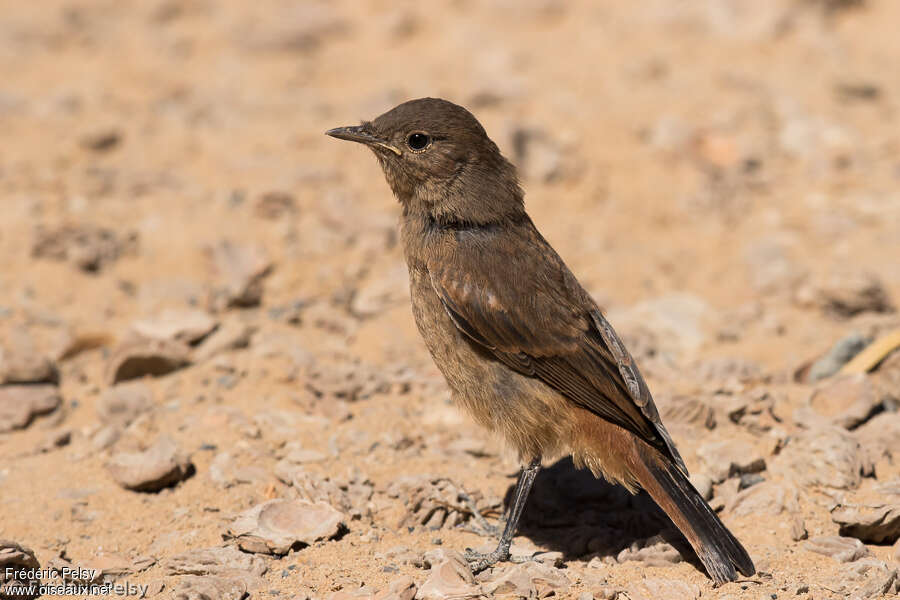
x=359 y=133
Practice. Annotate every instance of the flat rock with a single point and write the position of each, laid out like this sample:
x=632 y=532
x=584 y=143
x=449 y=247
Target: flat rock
x=879 y=435
x=20 y=404
x=403 y=588
x=691 y=410
x=841 y=549
x=193 y=587
x=15 y=562
x=241 y=269
x=186 y=325
x=865 y=579
x=824 y=456
x=88 y=247
x=21 y=362
x=871 y=523
x=767 y=498
x=223 y=561
x=140 y=357
x=449 y=577
x=847 y=401
x=123 y=403
x=276 y=526
x=663 y=589
x=230 y=335
x=525 y=580
x=847 y=294
x=159 y=466
x=653 y=552
x=726 y=458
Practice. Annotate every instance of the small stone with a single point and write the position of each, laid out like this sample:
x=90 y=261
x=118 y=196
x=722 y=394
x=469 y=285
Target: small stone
x=192 y=587
x=403 y=588
x=20 y=404
x=55 y=440
x=88 y=247
x=230 y=335
x=841 y=549
x=654 y=552
x=16 y=561
x=703 y=483
x=765 y=499
x=123 y=403
x=160 y=466
x=216 y=561
x=449 y=577
x=525 y=580
x=274 y=205
x=824 y=456
x=242 y=269
x=21 y=362
x=102 y=140
x=276 y=526
x=847 y=294
x=847 y=401
x=187 y=326
x=865 y=579
x=662 y=589
x=730 y=457
x=690 y=410
x=141 y=357
x=871 y=523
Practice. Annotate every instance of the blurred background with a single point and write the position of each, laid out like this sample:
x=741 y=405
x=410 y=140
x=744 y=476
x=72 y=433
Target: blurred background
x=191 y=268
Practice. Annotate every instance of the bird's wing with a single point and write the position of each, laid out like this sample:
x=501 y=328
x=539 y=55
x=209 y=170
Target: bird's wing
x=533 y=316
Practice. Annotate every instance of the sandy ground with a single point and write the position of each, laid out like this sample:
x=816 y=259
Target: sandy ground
x=722 y=175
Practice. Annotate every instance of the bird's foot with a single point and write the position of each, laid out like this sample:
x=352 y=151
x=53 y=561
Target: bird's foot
x=479 y=561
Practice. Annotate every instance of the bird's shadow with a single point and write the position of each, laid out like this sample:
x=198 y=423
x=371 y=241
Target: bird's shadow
x=571 y=511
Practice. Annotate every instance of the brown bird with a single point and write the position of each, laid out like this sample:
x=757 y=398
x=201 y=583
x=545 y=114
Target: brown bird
x=522 y=345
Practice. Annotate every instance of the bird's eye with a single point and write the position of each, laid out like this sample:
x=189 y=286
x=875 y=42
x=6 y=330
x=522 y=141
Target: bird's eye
x=418 y=141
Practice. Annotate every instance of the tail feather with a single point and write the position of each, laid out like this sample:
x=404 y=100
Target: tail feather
x=719 y=551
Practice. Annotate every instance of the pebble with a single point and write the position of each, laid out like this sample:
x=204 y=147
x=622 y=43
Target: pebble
x=871 y=523
x=88 y=247
x=193 y=587
x=652 y=588
x=449 y=577
x=230 y=335
x=730 y=457
x=188 y=326
x=276 y=526
x=865 y=579
x=841 y=549
x=14 y=558
x=824 y=456
x=241 y=270
x=847 y=401
x=159 y=466
x=122 y=404
x=221 y=561
x=525 y=580
x=140 y=357
x=20 y=404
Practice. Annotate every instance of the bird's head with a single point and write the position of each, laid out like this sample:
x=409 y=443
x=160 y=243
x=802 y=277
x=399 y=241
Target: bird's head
x=439 y=162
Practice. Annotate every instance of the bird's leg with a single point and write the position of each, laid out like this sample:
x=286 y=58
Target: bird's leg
x=478 y=561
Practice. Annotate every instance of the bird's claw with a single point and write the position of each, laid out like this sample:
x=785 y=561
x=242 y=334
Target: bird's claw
x=479 y=561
